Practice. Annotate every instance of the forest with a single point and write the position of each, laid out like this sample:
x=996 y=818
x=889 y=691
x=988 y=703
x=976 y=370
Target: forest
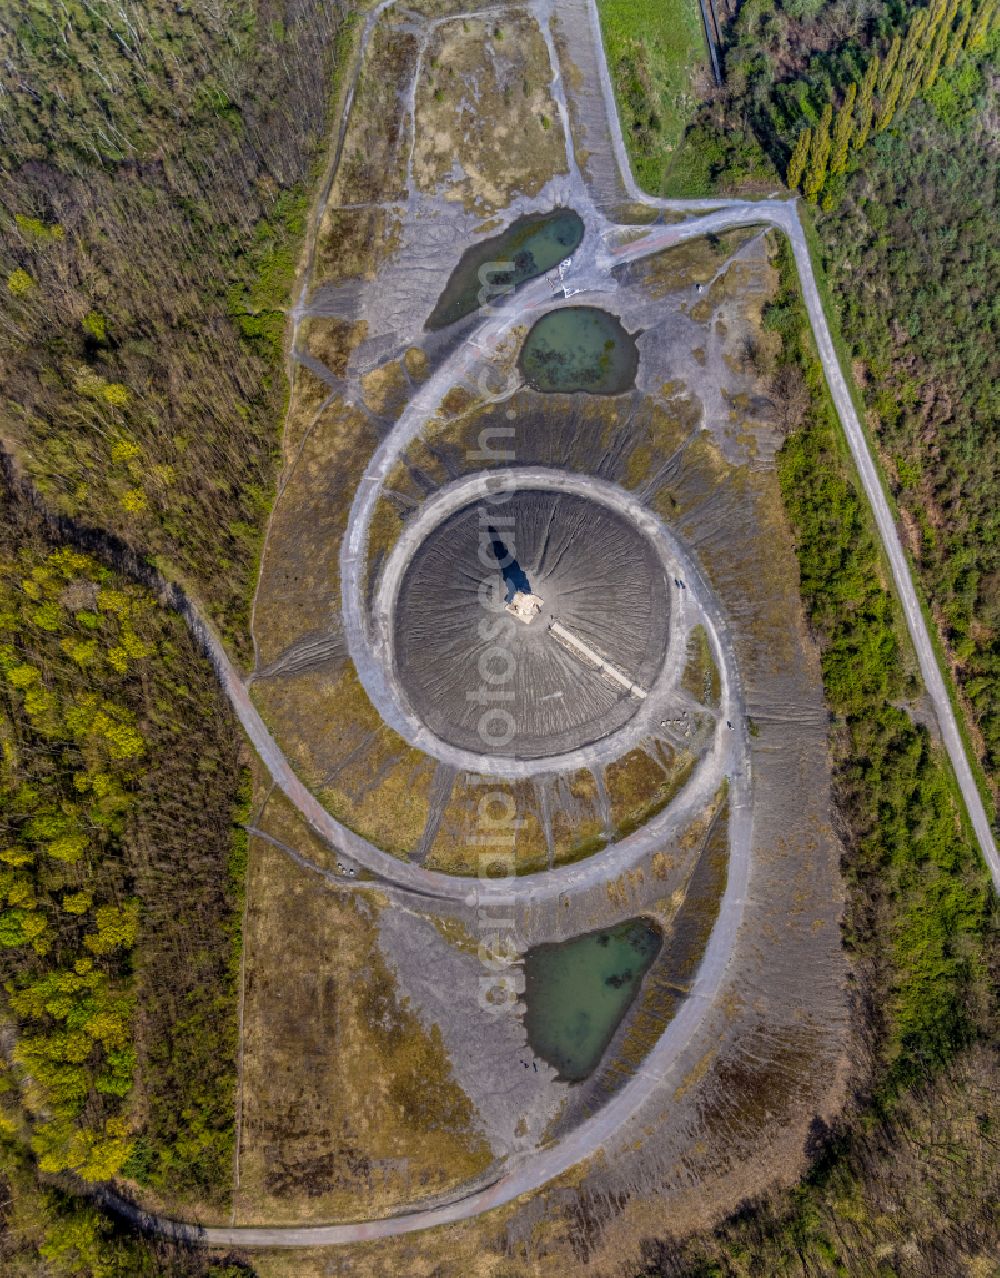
x=907 y=1180
x=912 y=257
x=121 y=875
x=154 y=164
x=907 y=240
x=155 y=161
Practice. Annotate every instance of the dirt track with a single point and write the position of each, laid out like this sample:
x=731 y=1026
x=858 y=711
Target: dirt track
x=588 y=274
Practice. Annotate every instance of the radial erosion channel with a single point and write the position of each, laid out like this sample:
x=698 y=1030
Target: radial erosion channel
x=530 y=626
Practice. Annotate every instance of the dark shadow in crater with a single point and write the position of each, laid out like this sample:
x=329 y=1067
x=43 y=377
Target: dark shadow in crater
x=515 y=578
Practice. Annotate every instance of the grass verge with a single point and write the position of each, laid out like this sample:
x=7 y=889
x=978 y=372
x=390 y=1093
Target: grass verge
x=919 y=892
x=655 y=52
x=906 y=1182
x=844 y=356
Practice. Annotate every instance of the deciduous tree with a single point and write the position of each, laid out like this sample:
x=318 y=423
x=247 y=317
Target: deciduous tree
x=797 y=160
x=819 y=155
x=842 y=130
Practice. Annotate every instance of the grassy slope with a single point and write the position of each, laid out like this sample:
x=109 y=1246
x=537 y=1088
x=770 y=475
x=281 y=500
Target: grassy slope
x=655 y=52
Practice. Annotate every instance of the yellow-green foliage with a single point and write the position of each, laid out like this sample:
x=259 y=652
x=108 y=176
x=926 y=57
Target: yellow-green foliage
x=936 y=36
x=842 y=130
x=889 y=65
x=797 y=163
x=20 y=282
x=819 y=155
x=116 y=394
x=120 y=874
x=95 y=326
x=116 y=929
x=981 y=27
x=57 y=824
x=93 y=386
x=35 y=229
x=887 y=109
x=941 y=41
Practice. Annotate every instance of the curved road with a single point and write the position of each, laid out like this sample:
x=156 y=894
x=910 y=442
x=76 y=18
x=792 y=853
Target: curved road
x=730 y=755
x=590 y=1135
x=783 y=214
x=674 y=561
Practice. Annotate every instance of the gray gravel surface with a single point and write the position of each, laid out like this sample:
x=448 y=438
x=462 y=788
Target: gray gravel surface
x=592 y=272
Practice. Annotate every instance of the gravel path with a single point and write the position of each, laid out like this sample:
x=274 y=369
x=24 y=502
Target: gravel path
x=590 y=273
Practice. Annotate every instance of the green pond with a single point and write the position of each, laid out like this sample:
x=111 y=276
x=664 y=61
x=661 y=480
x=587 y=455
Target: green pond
x=529 y=247
x=579 y=348
x=576 y=993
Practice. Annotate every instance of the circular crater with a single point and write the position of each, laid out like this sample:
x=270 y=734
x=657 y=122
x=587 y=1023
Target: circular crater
x=531 y=626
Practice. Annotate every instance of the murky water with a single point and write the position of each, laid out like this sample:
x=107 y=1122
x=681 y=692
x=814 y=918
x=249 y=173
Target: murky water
x=578 y=991
x=579 y=348
x=528 y=248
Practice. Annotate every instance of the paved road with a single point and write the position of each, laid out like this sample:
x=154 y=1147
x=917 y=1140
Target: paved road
x=729 y=755
x=889 y=534
x=784 y=214
x=590 y=1136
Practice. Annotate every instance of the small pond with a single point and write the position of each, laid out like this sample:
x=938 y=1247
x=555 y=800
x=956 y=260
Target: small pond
x=579 y=348
x=577 y=992
x=529 y=247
